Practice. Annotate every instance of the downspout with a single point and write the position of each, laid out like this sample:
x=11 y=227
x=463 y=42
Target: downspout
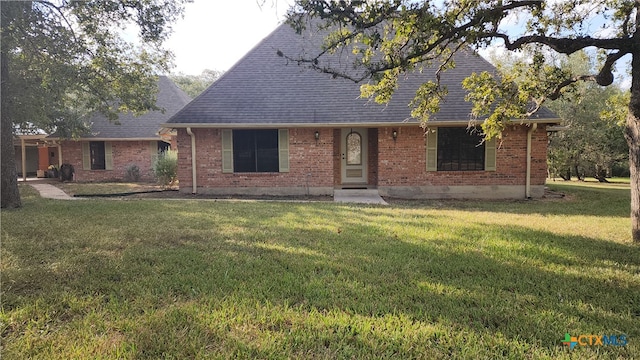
x=193 y=161
x=528 y=180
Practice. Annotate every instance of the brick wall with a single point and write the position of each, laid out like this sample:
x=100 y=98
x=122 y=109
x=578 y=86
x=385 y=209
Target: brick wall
x=403 y=162
x=125 y=153
x=372 y=165
x=391 y=163
x=310 y=162
x=337 y=156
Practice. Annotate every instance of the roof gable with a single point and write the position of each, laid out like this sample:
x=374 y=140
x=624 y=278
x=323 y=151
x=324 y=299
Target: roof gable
x=170 y=99
x=264 y=88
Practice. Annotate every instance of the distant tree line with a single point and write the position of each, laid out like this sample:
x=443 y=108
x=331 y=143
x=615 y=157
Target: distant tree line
x=591 y=142
x=194 y=85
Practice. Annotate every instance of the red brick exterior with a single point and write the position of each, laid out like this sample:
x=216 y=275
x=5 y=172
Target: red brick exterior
x=372 y=165
x=337 y=156
x=310 y=162
x=399 y=162
x=125 y=153
x=403 y=162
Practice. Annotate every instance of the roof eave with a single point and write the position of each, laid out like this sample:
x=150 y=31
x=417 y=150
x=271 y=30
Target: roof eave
x=342 y=125
x=108 y=139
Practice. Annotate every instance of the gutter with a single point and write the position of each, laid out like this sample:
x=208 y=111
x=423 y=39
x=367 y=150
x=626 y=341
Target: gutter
x=193 y=161
x=527 y=189
x=277 y=125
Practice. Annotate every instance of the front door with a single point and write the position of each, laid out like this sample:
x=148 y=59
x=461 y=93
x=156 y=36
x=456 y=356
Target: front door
x=354 y=156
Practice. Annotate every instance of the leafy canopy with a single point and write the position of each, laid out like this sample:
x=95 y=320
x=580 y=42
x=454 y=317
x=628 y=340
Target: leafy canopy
x=194 y=85
x=390 y=37
x=70 y=58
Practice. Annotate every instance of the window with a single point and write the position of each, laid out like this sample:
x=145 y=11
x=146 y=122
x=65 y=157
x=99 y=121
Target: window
x=354 y=149
x=460 y=150
x=255 y=151
x=97 y=155
x=163 y=146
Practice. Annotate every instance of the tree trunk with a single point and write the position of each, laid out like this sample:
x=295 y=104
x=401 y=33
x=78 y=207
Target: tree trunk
x=633 y=139
x=577 y=170
x=632 y=134
x=9 y=194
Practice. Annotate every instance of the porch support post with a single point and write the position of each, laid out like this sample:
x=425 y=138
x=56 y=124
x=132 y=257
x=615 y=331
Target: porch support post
x=59 y=156
x=23 y=148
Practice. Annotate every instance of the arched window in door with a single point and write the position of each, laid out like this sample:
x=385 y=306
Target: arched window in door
x=354 y=149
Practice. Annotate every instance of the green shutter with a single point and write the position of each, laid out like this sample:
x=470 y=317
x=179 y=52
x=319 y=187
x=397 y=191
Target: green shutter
x=86 y=156
x=108 y=156
x=153 y=151
x=227 y=150
x=490 y=155
x=432 y=149
x=283 y=149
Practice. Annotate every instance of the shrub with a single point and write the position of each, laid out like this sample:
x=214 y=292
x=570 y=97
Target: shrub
x=165 y=168
x=132 y=173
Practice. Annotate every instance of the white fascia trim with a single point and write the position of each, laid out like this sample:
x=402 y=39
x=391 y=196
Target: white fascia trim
x=343 y=125
x=111 y=139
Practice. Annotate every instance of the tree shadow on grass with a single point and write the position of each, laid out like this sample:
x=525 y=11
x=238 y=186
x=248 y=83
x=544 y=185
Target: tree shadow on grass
x=324 y=279
x=579 y=201
x=533 y=293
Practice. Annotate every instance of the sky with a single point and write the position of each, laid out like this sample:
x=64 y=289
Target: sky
x=215 y=34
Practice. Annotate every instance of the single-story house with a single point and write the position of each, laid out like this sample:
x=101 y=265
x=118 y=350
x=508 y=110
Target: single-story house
x=111 y=149
x=269 y=126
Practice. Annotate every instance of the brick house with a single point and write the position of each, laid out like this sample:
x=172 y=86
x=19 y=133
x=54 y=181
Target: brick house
x=110 y=149
x=269 y=126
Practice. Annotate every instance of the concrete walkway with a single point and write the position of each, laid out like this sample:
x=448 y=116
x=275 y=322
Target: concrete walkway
x=364 y=196
x=51 y=192
x=359 y=196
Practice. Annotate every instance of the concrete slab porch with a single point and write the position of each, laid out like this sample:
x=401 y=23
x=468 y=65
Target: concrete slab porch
x=359 y=196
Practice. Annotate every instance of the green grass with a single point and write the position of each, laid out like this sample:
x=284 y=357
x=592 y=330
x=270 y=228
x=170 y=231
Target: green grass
x=202 y=279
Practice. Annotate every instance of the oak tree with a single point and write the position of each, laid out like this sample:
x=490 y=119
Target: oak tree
x=387 y=38
x=63 y=59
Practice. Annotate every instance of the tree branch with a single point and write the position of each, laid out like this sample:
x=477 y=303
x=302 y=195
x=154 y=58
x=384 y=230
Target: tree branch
x=564 y=45
x=451 y=34
x=603 y=78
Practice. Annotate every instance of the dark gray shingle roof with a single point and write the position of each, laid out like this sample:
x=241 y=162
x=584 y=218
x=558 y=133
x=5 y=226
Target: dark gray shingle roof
x=169 y=97
x=264 y=88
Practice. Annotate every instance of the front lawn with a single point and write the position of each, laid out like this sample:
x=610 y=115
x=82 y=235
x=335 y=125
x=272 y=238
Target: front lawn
x=434 y=279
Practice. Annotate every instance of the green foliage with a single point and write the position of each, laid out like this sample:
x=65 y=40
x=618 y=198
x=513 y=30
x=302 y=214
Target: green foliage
x=392 y=38
x=67 y=59
x=616 y=110
x=63 y=60
x=416 y=280
x=593 y=143
x=132 y=173
x=165 y=168
x=194 y=85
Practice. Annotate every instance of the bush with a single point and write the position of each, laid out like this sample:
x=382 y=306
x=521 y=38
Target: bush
x=165 y=168
x=132 y=173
